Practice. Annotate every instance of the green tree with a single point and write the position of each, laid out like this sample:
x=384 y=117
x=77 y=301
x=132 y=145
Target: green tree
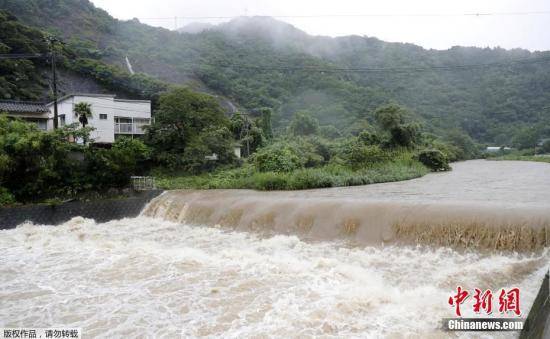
x=466 y=147
x=112 y=168
x=392 y=119
x=303 y=123
x=247 y=132
x=183 y=120
x=278 y=157
x=390 y=116
x=83 y=111
x=266 y=122
x=526 y=138
x=35 y=164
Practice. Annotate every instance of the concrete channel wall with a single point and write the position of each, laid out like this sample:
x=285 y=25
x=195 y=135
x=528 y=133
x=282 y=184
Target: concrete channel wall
x=100 y=211
x=539 y=316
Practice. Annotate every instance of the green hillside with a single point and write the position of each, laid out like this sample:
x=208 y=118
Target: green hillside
x=261 y=62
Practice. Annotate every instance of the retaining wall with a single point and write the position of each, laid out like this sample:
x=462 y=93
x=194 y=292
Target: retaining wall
x=100 y=211
x=539 y=316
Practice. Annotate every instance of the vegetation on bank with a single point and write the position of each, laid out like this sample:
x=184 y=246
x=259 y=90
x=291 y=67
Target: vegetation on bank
x=307 y=155
x=306 y=178
x=37 y=166
x=529 y=147
x=519 y=157
x=191 y=145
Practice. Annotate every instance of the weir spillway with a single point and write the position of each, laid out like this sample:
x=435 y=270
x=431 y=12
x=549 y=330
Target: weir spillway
x=377 y=261
x=505 y=208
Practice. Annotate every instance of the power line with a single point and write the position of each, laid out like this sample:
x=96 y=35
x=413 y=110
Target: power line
x=349 y=15
x=23 y=56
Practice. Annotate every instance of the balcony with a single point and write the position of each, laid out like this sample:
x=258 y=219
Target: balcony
x=130 y=128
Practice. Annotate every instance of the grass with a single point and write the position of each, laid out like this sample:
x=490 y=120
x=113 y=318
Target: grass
x=519 y=157
x=247 y=177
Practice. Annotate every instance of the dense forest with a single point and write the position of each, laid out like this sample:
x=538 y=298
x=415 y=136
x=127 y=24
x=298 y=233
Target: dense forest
x=261 y=62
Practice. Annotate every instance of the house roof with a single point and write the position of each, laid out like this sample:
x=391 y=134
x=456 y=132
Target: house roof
x=23 y=107
x=92 y=95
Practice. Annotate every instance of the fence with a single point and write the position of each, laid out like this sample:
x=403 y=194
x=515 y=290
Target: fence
x=143 y=183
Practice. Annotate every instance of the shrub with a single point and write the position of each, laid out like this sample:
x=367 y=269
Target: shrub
x=279 y=157
x=6 y=198
x=270 y=181
x=359 y=155
x=369 y=138
x=434 y=159
x=313 y=151
x=311 y=178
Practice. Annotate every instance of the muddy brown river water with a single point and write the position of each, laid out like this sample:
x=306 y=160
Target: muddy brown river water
x=318 y=263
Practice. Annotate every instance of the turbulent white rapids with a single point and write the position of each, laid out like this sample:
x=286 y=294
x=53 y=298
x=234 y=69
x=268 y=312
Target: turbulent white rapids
x=147 y=277
x=154 y=278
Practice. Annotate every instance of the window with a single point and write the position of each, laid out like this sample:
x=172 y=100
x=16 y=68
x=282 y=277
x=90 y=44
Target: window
x=42 y=124
x=103 y=117
x=62 y=120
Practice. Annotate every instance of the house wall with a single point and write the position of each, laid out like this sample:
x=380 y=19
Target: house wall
x=102 y=104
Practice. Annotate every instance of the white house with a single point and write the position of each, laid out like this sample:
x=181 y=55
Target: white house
x=111 y=117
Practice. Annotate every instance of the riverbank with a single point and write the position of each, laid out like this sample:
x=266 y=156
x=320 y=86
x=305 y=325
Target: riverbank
x=328 y=176
x=101 y=210
x=515 y=157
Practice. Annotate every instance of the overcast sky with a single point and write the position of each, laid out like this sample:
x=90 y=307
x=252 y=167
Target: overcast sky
x=530 y=31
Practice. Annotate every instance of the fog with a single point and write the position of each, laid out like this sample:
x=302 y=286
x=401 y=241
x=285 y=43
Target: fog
x=429 y=23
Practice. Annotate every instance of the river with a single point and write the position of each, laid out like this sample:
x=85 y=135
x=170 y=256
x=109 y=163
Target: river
x=182 y=270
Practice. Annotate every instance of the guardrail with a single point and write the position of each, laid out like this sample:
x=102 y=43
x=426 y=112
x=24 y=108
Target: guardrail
x=143 y=183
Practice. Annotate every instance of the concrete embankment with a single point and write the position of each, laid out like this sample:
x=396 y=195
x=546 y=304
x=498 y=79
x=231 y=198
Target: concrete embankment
x=100 y=211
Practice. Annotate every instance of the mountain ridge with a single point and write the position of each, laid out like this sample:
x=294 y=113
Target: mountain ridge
x=489 y=103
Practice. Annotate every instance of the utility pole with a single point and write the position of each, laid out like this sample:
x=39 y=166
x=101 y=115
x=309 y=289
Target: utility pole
x=247 y=136
x=52 y=41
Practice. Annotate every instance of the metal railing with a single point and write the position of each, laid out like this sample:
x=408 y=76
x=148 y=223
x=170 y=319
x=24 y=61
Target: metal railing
x=143 y=183
x=129 y=128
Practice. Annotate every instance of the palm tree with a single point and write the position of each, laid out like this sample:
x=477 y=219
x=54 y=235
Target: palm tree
x=83 y=110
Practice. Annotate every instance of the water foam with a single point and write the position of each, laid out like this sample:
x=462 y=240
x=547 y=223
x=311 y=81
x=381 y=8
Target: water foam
x=154 y=278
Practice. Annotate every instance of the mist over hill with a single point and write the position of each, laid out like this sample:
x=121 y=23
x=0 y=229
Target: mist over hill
x=262 y=62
